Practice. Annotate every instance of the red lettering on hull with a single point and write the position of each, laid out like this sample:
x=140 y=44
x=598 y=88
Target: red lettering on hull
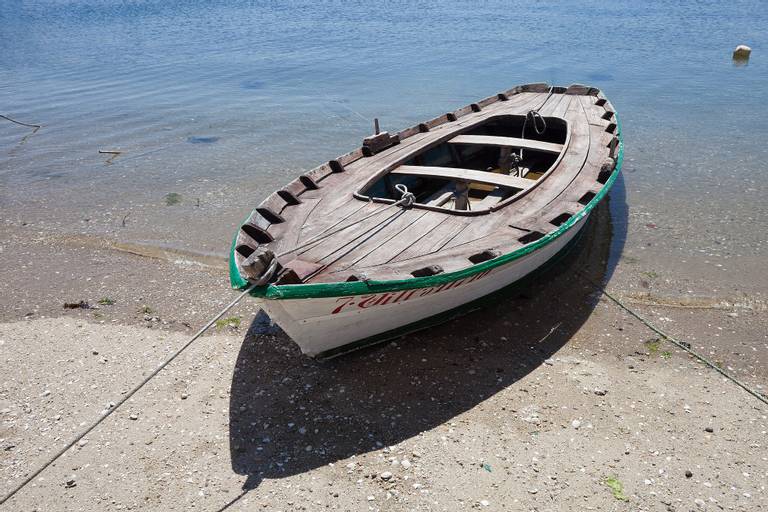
x=368 y=301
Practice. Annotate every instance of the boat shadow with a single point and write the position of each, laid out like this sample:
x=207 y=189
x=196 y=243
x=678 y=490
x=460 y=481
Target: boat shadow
x=290 y=414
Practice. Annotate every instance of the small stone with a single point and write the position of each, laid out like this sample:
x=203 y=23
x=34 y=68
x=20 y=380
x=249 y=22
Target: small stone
x=184 y=396
x=405 y=463
x=485 y=503
x=700 y=502
x=386 y=476
x=46 y=392
x=370 y=498
x=82 y=443
x=709 y=429
x=576 y=424
x=95 y=352
x=533 y=491
x=70 y=483
x=416 y=454
x=733 y=315
x=601 y=392
x=308 y=448
x=134 y=416
x=688 y=474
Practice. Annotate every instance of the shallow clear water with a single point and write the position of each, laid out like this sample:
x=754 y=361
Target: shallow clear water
x=223 y=101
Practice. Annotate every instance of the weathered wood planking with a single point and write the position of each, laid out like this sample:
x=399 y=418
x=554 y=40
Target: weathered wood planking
x=510 y=142
x=382 y=239
x=465 y=175
x=398 y=241
x=403 y=240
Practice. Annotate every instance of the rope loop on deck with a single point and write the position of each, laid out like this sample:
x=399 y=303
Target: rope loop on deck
x=406 y=198
x=534 y=115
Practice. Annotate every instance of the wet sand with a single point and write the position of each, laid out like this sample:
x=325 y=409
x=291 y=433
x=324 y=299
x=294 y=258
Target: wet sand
x=537 y=402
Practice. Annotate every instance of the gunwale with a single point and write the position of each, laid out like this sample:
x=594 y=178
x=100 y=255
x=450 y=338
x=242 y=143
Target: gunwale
x=330 y=289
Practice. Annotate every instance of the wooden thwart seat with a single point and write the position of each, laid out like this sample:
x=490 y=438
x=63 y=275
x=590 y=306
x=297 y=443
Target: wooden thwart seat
x=466 y=175
x=513 y=142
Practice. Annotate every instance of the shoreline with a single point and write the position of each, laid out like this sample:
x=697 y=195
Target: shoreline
x=495 y=387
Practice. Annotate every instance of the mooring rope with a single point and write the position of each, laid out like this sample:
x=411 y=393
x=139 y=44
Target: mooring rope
x=406 y=200
x=533 y=114
x=125 y=398
x=679 y=344
x=28 y=125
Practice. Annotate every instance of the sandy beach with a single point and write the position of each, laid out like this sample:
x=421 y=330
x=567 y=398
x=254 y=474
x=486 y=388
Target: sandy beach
x=554 y=399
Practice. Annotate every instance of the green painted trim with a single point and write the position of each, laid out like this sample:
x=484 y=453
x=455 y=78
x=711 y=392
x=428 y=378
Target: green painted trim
x=320 y=290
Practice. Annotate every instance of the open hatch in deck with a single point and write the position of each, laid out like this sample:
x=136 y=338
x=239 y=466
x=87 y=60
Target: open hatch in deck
x=480 y=170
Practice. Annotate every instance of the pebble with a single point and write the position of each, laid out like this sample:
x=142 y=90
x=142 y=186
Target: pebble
x=385 y=475
x=134 y=416
x=533 y=491
x=575 y=423
x=70 y=483
x=688 y=474
x=82 y=443
x=601 y=392
x=46 y=392
x=485 y=503
x=699 y=502
x=95 y=352
x=709 y=429
x=184 y=396
x=405 y=463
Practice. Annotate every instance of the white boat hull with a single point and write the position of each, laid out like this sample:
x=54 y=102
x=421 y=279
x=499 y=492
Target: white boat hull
x=323 y=326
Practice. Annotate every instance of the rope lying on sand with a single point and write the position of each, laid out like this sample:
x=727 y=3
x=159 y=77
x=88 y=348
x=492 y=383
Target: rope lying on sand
x=679 y=344
x=124 y=399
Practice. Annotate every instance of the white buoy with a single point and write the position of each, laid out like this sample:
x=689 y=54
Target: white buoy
x=742 y=52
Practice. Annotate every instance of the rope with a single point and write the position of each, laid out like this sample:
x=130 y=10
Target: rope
x=679 y=344
x=35 y=126
x=406 y=200
x=124 y=399
x=533 y=114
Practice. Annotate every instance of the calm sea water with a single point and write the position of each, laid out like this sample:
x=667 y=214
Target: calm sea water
x=221 y=102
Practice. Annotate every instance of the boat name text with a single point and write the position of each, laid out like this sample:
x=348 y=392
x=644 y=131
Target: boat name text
x=382 y=299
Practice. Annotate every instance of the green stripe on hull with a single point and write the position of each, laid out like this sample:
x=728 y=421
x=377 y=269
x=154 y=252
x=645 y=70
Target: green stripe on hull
x=321 y=290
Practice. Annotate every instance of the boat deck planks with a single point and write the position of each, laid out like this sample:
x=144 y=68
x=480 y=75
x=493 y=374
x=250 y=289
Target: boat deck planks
x=398 y=241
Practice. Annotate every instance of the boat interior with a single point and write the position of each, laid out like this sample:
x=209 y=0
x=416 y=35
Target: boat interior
x=479 y=170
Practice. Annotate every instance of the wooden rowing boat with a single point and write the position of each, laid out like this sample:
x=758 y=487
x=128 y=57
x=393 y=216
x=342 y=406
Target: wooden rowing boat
x=411 y=226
